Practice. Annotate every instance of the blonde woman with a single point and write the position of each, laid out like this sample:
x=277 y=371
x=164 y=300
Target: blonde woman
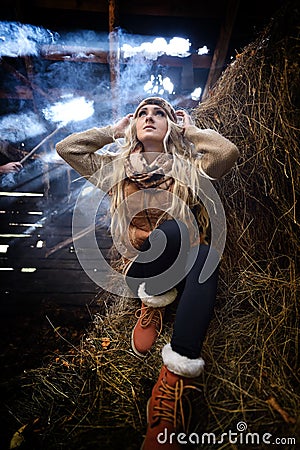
x=160 y=226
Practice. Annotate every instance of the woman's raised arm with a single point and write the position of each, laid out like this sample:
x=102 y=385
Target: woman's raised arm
x=218 y=154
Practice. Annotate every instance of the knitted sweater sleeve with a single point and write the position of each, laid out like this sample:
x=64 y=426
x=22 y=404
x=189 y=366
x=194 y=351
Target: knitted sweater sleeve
x=79 y=150
x=217 y=154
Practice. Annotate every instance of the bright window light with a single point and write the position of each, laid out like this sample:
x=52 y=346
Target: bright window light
x=195 y=95
x=15 y=235
x=28 y=269
x=159 y=46
x=20 y=194
x=36 y=225
x=159 y=85
x=203 y=50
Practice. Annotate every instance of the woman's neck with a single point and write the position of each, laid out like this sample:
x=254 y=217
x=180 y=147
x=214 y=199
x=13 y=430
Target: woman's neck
x=151 y=150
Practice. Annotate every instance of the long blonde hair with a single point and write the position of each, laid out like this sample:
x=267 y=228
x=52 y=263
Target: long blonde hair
x=185 y=172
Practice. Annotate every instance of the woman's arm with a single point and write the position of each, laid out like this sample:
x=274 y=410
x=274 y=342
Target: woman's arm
x=79 y=149
x=217 y=154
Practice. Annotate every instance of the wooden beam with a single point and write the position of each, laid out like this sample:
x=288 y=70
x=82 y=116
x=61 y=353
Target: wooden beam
x=174 y=8
x=86 y=5
x=21 y=93
x=221 y=48
x=20 y=77
x=198 y=61
x=70 y=53
x=114 y=57
x=113 y=15
x=90 y=55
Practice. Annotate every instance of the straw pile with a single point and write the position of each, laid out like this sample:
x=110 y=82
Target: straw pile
x=95 y=396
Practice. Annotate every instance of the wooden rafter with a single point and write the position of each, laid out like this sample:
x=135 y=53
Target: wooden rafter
x=221 y=48
x=114 y=55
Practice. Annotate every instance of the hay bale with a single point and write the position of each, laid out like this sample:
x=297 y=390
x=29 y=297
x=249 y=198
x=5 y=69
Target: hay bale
x=95 y=396
x=252 y=347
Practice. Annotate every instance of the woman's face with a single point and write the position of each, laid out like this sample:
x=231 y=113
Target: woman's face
x=151 y=125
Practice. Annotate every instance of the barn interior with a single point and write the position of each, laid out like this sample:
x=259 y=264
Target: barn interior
x=67 y=66
x=67 y=57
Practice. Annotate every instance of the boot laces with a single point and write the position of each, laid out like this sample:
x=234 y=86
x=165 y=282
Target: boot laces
x=148 y=315
x=171 y=406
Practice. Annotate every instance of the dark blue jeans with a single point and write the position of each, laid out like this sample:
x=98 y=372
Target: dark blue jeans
x=182 y=264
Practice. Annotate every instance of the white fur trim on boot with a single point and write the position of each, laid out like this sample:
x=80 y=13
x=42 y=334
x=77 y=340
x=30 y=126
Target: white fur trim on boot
x=156 y=301
x=181 y=365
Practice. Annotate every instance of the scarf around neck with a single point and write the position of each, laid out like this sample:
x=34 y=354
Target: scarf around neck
x=149 y=175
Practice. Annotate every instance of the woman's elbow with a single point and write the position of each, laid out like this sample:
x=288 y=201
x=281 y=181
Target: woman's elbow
x=234 y=152
x=61 y=149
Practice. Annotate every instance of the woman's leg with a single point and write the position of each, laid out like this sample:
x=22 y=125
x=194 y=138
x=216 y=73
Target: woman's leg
x=168 y=245
x=195 y=308
x=166 y=248
x=182 y=363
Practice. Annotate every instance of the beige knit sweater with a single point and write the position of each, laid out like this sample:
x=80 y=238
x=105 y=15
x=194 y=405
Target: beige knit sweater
x=218 y=154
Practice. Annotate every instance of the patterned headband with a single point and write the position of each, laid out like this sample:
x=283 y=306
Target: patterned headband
x=159 y=102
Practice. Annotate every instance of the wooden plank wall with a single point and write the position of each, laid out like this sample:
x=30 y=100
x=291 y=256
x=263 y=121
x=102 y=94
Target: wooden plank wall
x=37 y=229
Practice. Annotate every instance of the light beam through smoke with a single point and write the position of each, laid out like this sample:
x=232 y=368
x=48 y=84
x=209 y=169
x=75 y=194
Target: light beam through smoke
x=75 y=109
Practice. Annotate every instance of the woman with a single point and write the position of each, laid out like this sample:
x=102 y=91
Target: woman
x=159 y=225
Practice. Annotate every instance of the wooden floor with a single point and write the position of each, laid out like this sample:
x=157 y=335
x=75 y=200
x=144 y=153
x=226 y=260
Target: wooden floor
x=43 y=286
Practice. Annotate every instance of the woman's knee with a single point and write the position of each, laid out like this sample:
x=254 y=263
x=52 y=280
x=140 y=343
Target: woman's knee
x=204 y=255
x=175 y=232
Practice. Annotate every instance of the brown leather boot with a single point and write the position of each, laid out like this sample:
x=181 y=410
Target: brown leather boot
x=150 y=319
x=147 y=329
x=165 y=409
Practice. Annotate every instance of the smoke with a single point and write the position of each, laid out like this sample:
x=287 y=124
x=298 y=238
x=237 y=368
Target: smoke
x=133 y=78
x=21 y=39
x=70 y=109
x=71 y=86
x=87 y=39
x=19 y=127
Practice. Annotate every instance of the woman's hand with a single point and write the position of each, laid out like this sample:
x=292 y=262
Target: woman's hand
x=120 y=127
x=183 y=118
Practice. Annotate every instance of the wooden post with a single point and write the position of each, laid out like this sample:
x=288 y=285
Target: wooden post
x=221 y=48
x=114 y=57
